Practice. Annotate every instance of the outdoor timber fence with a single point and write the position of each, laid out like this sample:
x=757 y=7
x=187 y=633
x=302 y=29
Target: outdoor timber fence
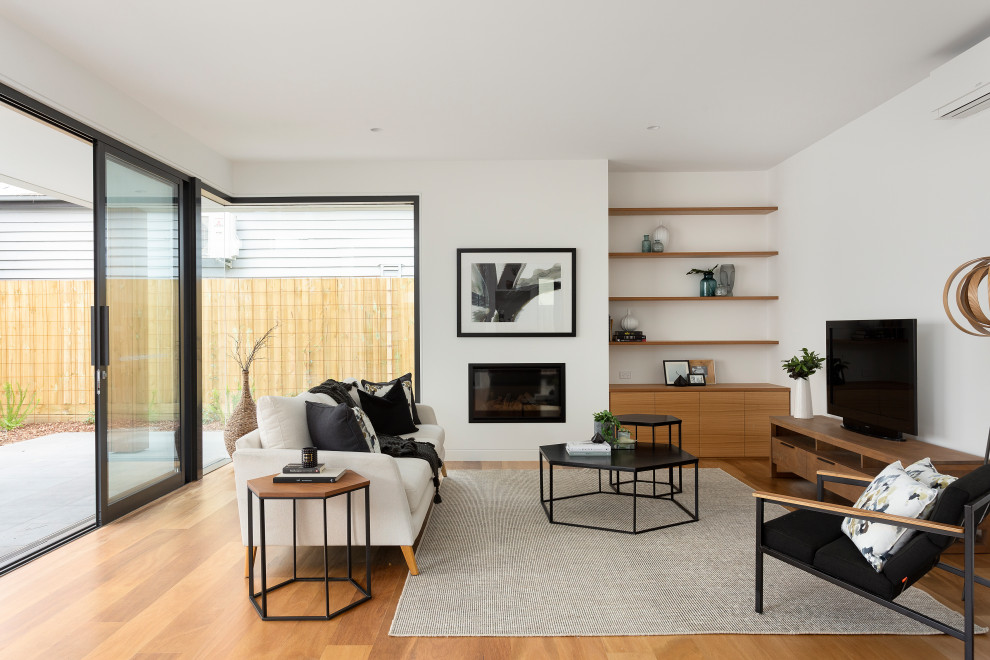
x=327 y=328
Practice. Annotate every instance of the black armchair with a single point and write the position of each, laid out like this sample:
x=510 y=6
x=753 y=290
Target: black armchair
x=810 y=539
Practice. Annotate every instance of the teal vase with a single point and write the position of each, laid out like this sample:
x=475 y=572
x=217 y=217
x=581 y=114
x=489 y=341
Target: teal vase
x=708 y=284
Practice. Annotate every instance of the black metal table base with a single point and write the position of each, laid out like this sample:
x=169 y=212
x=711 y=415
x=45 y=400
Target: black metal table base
x=679 y=487
x=262 y=608
x=670 y=495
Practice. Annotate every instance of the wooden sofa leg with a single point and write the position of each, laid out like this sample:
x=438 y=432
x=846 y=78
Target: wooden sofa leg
x=443 y=470
x=407 y=552
x=250 y=552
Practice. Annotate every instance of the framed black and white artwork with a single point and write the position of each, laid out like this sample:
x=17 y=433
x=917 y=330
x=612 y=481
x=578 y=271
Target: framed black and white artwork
x=516 y=292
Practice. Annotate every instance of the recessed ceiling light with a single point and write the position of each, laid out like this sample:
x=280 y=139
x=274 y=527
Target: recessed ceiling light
x=377 y=130
x=653 y=127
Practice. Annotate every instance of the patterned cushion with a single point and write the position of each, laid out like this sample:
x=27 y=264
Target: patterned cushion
x=924 y=473
x=895 y=492
x=367 y=430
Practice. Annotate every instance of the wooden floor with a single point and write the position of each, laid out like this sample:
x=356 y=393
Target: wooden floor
x=167 y=582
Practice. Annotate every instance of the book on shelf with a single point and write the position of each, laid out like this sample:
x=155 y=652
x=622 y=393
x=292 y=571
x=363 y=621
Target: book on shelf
x=628 y=333
x=299 y=468
x=327 y=477
x=629 y=339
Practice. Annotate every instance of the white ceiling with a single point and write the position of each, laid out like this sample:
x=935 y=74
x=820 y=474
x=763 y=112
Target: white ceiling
x=733 y=85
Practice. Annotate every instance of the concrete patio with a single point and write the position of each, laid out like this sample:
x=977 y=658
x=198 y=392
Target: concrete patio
x=48 y=484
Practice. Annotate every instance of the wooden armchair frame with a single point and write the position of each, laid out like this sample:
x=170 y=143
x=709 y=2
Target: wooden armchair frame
x=967 y=532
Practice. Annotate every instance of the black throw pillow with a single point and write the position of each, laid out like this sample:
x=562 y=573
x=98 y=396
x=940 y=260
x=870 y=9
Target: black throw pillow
x=389 y=414
x=333 y=428
x=373 y=387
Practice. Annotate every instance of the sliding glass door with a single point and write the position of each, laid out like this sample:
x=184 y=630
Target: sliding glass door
x=138 y=336
x=47 y=436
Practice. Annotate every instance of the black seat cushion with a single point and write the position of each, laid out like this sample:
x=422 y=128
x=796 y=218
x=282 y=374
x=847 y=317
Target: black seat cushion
x=842 y=559
x=801 y=533
x=949 y=507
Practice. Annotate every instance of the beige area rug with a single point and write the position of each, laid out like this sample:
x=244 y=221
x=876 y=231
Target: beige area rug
x=492 y=565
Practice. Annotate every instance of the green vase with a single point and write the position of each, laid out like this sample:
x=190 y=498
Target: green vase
x=708 y=284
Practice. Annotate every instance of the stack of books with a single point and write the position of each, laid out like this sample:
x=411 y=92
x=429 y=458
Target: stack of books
x=628 y=335
x=589 y=448
x=295 y=473
x=299 y=468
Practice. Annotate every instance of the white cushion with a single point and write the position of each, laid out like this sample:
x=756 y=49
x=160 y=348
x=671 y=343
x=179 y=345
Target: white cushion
x=417 y=478
x=895 y=492
x=282 y=420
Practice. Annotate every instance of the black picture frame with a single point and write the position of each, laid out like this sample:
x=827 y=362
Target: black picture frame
x=674 y=368
x=516 y=292
x=696 y=379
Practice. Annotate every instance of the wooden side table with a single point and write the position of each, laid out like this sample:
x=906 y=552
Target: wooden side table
x=265 y=489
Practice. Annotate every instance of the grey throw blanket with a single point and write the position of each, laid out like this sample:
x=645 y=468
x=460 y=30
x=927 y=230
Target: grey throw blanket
x=394 y=446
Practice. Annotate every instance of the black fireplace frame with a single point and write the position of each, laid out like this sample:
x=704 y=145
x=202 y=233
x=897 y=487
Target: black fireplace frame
x=473 y=418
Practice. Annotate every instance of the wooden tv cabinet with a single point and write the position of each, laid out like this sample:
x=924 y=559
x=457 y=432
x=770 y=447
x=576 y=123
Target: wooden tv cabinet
x=804 y=446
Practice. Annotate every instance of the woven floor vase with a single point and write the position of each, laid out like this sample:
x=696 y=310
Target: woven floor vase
x=243 y=420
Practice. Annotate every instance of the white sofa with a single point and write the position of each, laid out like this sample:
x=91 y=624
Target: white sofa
x=401 y=493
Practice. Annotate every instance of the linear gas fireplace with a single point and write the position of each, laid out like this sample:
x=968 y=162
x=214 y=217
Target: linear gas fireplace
x=519 y=392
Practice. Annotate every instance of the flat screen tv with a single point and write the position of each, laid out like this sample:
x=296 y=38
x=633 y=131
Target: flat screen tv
x=872 y=375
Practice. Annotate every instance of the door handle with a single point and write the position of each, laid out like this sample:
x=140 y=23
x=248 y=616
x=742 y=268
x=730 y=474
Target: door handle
x=99 y=335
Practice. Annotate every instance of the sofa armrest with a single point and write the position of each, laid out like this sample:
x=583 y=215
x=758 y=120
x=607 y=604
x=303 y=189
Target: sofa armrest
x=250 y=440
x=426 y=414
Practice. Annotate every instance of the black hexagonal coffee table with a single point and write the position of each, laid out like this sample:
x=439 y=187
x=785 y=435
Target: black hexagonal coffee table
x=633 y=461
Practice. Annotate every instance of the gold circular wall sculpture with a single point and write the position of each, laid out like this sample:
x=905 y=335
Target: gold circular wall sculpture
x=967 y=300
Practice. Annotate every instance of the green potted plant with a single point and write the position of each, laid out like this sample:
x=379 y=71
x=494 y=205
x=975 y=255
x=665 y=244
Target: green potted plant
x=799 y=368
x=607 y=425
x=708 y=284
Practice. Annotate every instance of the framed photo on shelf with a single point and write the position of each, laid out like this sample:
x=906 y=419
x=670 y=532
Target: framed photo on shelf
x=674 y=368
x=696 y=379
x=704 y=367
x=516 y=292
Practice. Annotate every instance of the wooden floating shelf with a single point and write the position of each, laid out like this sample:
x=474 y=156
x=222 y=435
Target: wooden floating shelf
x=698 y=342
x=690 y=298
x=689 y=255
x=696 y=210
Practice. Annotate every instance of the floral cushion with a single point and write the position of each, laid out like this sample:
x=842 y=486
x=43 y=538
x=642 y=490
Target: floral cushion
x=895 y=492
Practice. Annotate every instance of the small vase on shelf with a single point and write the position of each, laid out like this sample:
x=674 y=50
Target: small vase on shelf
x=647 y=245
x=661 y=237
x=708 y=285
x=629 y=321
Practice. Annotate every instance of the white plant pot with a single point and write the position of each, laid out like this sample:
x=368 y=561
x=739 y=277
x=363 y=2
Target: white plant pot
x=802 y=399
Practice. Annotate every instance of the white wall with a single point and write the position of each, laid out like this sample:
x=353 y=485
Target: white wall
x=33 y=68
x=495 y=204
x=652 y=277
x=872 y=220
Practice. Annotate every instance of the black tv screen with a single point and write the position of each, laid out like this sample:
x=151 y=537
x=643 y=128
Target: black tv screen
x=872 y=375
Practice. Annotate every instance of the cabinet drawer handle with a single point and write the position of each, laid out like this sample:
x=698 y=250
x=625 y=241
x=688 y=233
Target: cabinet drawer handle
x=824 y=460
x=787 y=445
